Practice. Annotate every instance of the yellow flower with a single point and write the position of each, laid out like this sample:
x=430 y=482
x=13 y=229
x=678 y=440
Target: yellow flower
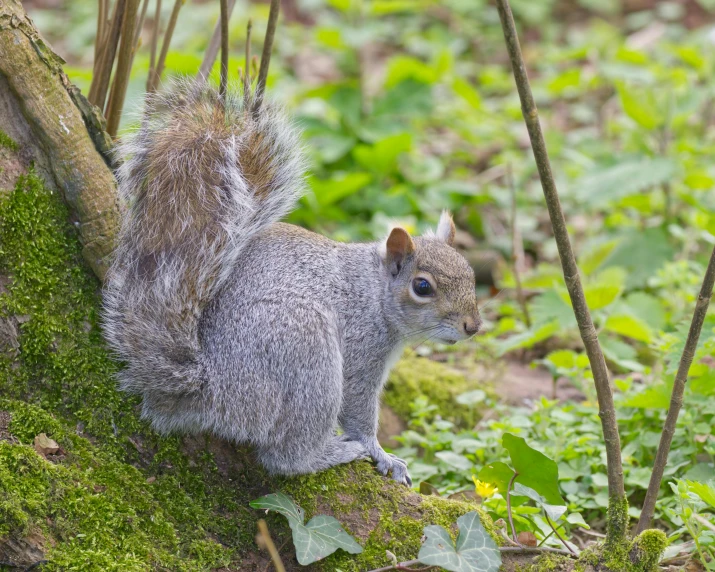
x=484 y=490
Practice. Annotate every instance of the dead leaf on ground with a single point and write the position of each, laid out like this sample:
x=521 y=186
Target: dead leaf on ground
x=526 y=538
x=45 y=446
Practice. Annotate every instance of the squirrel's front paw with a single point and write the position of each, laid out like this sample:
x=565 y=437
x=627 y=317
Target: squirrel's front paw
x=388 y=462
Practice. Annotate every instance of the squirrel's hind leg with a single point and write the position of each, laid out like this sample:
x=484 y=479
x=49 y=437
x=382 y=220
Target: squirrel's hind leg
x=335 y=451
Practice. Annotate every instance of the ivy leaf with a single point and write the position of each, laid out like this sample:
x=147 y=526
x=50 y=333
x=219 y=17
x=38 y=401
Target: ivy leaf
x=322 y=536
x=535 y=469
x=280 y=503
x=475 y=550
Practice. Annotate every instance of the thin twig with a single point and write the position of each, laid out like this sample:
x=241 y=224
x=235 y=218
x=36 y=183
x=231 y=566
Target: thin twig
x=124 y=64
x=100 y=82
x=213 y=47
x=166 y=43
x=508 y=507
x=152 y=50
x=140 y=25
x=618 y=517
x=535 y=549
x=516 y=252
x=224 y=47
x=265 y=538
x=247 y=73
x=404 y=566
x=266 y=55
x=556 y=532
x=676 y=398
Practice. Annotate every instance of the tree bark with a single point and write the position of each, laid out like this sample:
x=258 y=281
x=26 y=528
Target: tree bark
x=58 y=130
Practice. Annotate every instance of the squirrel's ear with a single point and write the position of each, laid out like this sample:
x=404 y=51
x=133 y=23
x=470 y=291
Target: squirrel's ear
x=446 y=230
x=398 y=246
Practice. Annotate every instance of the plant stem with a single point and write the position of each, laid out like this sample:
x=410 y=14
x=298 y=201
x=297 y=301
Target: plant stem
x=166 y=43
x=213 y=47
x=676 y=398
x=100 y=82
x=556 y=532
x=247 y=70
x=224 y=47
x=140 y=25
x=618 y=518
x=266 y=55
x=515 y=250
x=508 y=507
x=124 y=64
x=265 y=539
x=154 y=42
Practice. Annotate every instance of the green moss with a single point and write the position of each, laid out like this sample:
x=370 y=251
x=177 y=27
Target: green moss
x=616 y=522
x=549 y=563
x=414 y=377
x=367 y=511
x=7 y=142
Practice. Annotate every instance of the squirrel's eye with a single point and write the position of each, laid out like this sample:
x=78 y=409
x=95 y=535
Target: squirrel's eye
x=422 y=287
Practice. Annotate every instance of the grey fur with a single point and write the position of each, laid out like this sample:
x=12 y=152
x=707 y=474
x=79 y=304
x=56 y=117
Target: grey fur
x=284 y=335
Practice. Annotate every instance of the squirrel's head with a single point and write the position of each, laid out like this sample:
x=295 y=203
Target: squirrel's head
x=430 y=285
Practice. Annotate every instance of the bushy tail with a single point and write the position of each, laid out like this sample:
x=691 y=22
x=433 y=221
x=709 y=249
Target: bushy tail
x=200 y=178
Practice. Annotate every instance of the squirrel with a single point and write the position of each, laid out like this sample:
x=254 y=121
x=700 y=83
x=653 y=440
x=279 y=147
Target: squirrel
x=257 y=331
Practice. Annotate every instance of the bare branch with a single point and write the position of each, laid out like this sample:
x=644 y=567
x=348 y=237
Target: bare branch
x=676 y=398
x=124 y=64
x=618 y=518
x=224 y=47
x=266 y=55
x=154 y=43
x=517 y=249
x=213 y=47
x=103 y=72
x=508 y=506
x=165 y=44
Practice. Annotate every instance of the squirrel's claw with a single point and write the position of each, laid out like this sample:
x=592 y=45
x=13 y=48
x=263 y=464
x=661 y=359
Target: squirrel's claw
x=388 y=462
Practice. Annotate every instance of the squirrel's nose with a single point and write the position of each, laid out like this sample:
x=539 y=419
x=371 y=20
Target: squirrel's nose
x=471 y=326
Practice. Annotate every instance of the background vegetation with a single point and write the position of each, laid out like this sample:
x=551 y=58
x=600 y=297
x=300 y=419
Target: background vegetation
x=409 y=107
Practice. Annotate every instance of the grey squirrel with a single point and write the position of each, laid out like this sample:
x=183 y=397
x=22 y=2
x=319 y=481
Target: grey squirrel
x=257 y=331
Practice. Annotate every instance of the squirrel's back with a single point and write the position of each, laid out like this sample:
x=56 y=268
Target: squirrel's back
x=201 y=177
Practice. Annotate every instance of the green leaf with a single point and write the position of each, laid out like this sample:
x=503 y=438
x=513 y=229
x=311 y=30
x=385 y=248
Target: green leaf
x=471 y=397
x=629 y=326
x=476 y=551
x=551 y=306
x=555 y=512
x=382 y=156
x=631 y=176
x=498 y=474
x=528 y=338
x=454 y=460
x=705 y=491
x=591 y=260
x=340 y=186
x=280 y=503
x=642 y=254
x=535 y=469
x=656 y=396
x=640 y=106
x=322 y=536
x=601 y=295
